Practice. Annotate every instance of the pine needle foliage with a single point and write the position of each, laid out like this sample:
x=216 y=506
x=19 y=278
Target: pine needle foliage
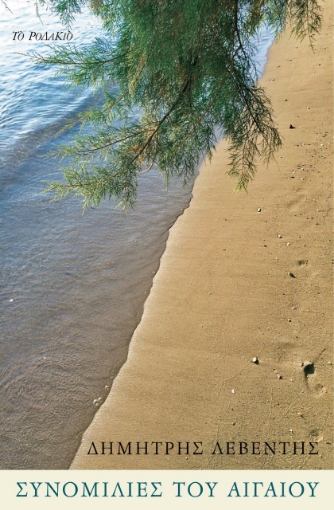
x=185 y=72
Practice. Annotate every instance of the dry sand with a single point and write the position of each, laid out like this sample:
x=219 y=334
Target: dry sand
x=223 y=295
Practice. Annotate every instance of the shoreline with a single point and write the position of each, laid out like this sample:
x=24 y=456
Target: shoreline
x=224 y=295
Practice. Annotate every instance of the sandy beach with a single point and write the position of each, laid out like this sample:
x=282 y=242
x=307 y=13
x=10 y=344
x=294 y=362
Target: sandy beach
x=231 y=366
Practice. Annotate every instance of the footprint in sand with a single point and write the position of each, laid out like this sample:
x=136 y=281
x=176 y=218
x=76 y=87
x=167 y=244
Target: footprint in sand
x=312 y=379
x=316 y=435
x=293 y=205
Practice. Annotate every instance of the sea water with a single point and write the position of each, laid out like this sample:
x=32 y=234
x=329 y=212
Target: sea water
x=73 y=286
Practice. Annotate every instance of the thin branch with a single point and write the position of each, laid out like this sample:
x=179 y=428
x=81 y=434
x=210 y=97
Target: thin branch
x=6 y=6
x=147 y=169
x=51 y=60
x=199 y=120
x=165 y=117
x=87 y=151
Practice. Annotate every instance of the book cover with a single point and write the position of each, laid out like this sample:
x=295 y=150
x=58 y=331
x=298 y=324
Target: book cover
x=181 y=352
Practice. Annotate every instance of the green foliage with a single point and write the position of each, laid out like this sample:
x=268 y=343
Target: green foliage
x=188 y=67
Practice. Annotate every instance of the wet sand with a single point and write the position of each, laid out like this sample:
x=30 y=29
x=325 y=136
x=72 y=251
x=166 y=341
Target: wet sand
x=235 y=284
